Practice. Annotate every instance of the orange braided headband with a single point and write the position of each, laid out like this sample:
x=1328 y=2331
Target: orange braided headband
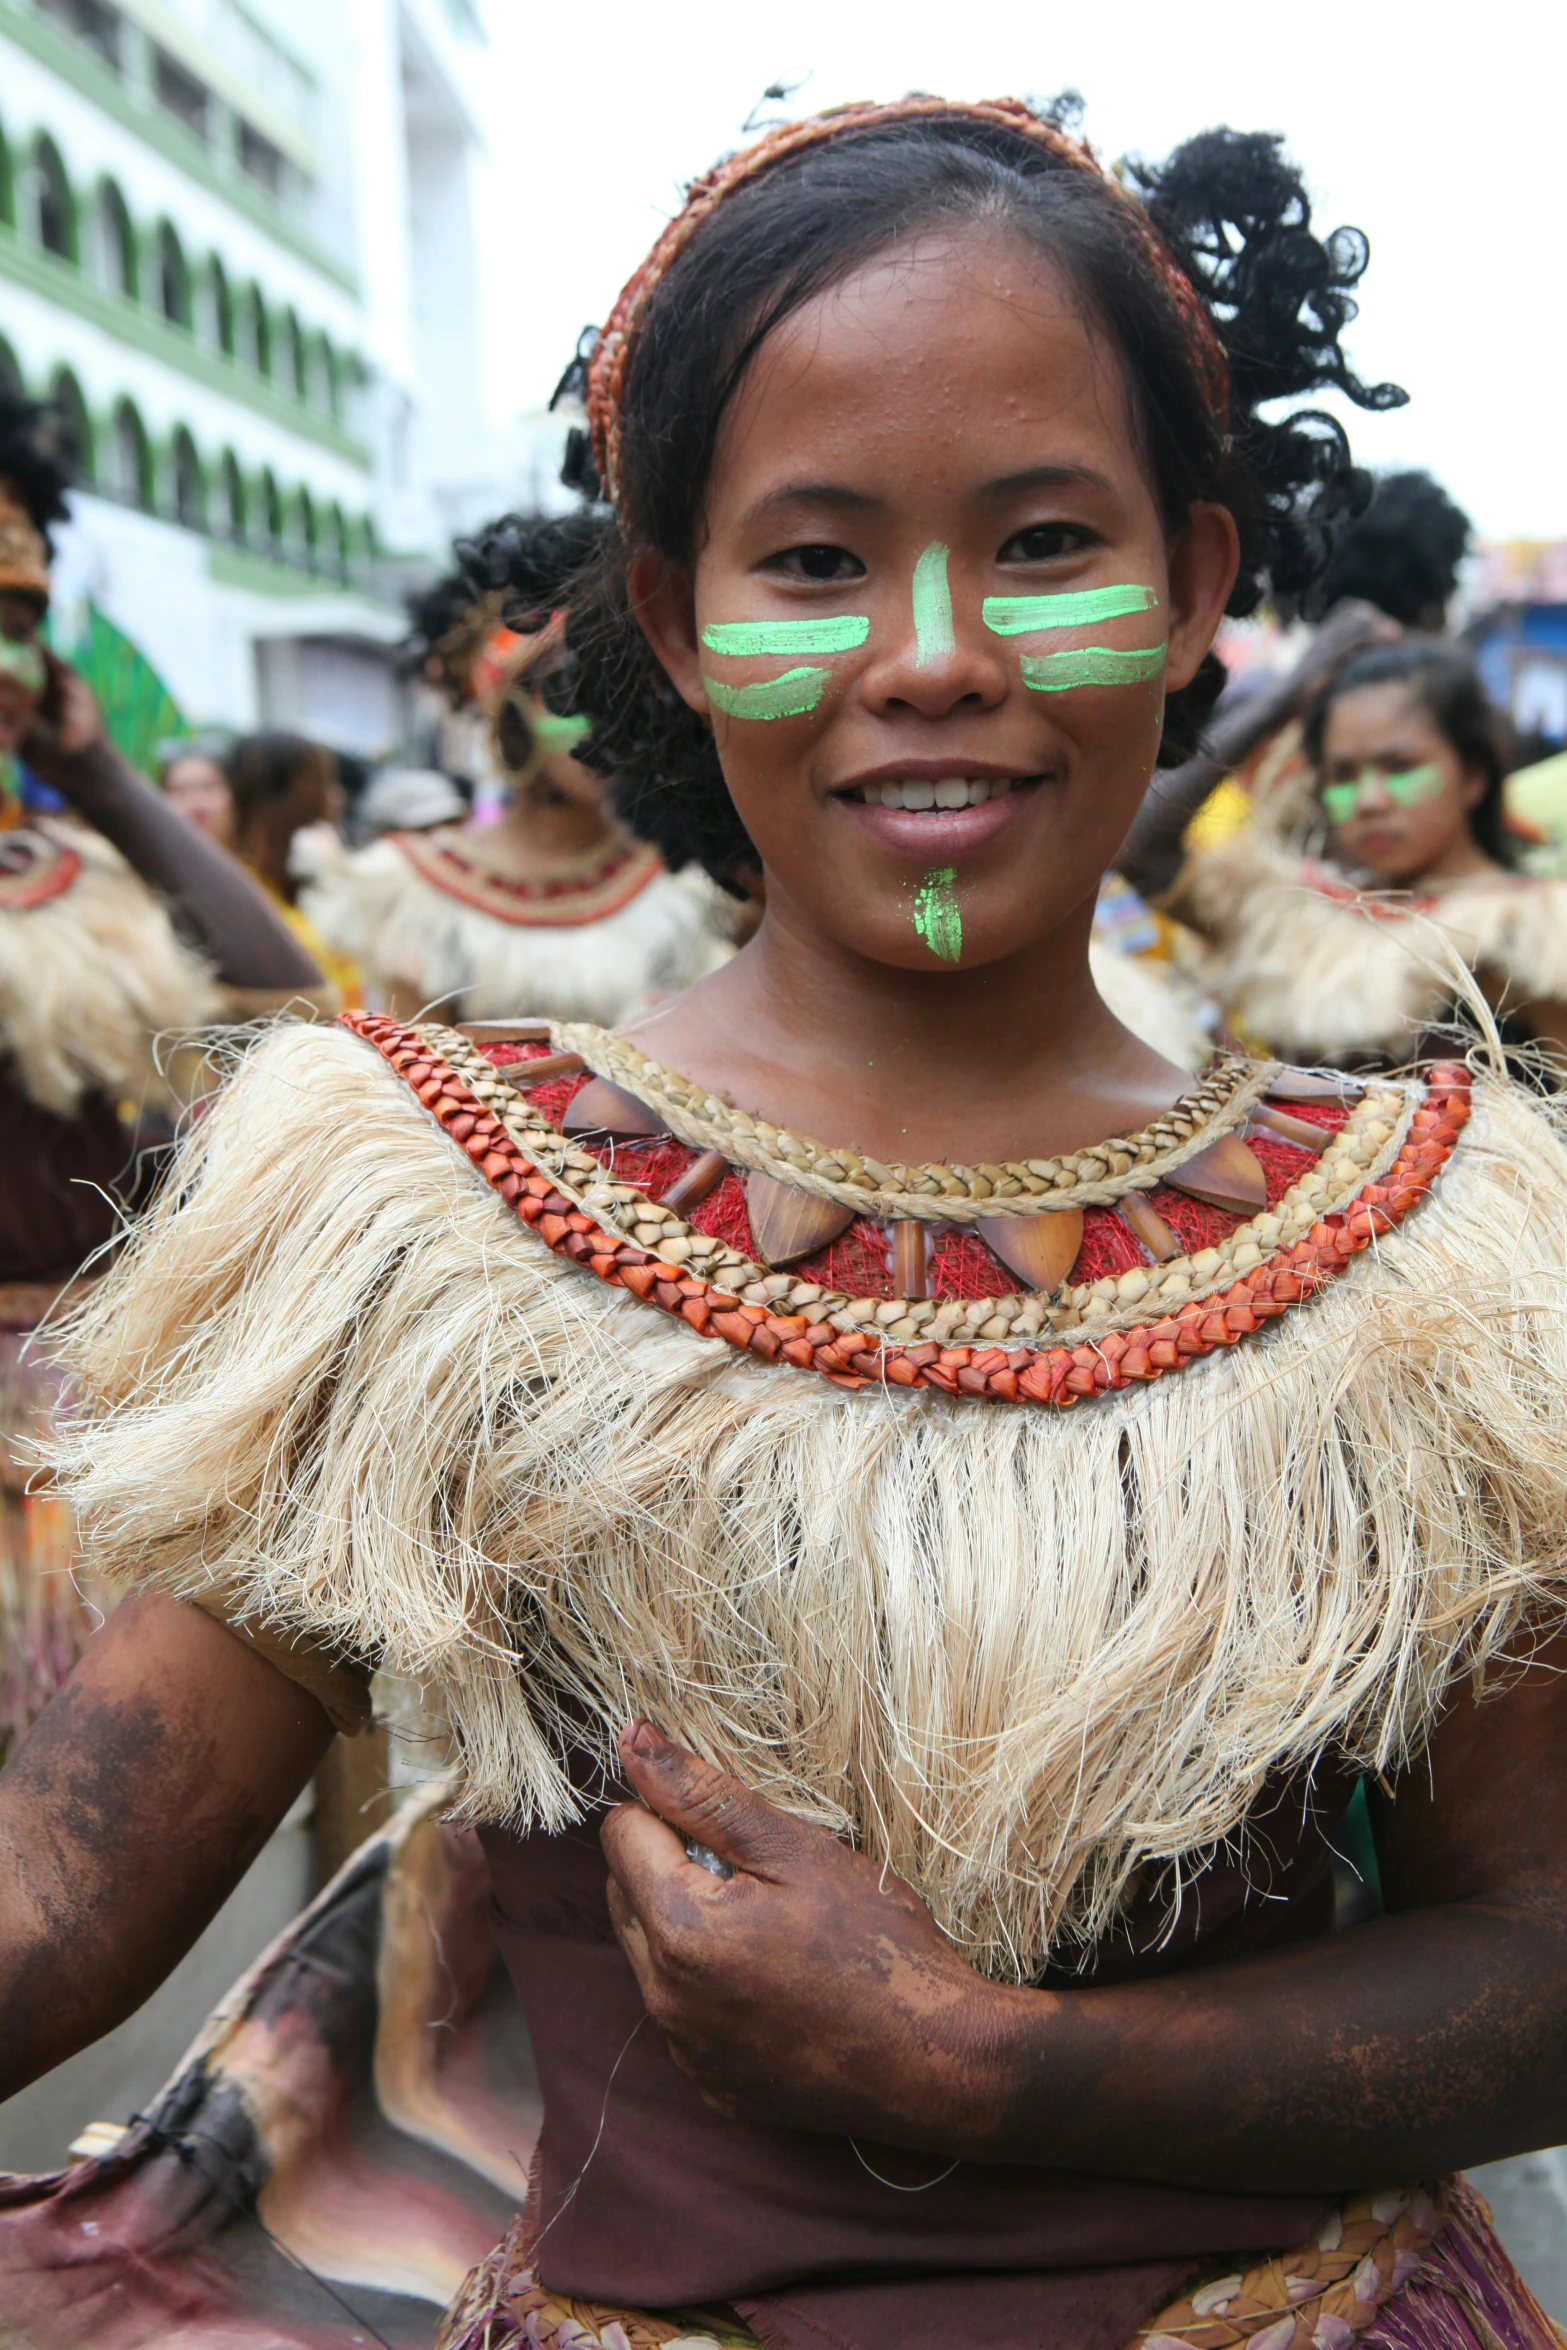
x=612 y=354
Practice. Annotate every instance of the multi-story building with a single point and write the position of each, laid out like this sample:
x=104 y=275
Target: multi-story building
x=237 y=249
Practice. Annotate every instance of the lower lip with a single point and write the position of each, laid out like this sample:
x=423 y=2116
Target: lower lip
x=939 y=832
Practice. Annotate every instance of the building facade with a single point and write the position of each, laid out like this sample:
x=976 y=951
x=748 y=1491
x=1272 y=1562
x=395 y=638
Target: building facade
x=237 y=250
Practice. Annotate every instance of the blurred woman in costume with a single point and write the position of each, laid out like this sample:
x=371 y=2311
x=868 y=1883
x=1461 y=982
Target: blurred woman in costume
x=119 y=923
x=553 y=907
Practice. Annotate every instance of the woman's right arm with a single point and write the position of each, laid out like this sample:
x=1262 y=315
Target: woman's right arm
x=128 y=1815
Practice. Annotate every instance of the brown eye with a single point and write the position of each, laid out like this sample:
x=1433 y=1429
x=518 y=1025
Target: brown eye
x=1044 y=542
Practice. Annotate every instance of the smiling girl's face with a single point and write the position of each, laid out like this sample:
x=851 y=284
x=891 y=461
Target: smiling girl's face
x=935 y=760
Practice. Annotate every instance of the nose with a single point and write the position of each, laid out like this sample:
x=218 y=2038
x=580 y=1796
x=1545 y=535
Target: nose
x=937 y=656
x=1374 y=798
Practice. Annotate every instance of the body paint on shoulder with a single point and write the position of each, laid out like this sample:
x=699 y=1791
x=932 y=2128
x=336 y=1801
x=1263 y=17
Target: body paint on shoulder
x=1031 y=615
x=842 y=632
x=1059 y=673
x=933 y=638
x=936 y=917
x=793 y=695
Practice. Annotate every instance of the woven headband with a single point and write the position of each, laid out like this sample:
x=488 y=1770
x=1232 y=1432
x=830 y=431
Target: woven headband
x=612 y=355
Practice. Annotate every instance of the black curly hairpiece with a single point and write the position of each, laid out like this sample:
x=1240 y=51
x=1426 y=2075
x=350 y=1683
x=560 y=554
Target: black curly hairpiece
x=1402 y=554
x=32 y=459
x=1234 y=211
x=523 y=566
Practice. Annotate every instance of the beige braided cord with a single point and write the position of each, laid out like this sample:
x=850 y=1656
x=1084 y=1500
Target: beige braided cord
x=1372 y=1137
x=888 y=1193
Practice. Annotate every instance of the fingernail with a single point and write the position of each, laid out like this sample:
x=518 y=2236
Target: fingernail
x=644 y=1740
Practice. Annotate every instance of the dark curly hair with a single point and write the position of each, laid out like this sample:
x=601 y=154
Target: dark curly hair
x=518 y=569
x=32 y=459
x=1235 y=213
x=1402 y=554
x=1446 y=685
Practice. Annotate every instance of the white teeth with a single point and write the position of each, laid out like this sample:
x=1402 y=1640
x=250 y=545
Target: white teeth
x=950 y=791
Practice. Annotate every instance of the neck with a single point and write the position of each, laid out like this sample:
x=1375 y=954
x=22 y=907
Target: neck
x=1010 y=1059
x=530 y=835
x=1462 y=857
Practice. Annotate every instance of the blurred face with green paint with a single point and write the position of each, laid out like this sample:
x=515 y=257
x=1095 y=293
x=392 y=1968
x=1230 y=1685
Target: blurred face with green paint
x=936 y=609
x=1395 y=791
x=24 y=675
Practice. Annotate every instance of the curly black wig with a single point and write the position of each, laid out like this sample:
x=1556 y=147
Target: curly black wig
x=1235 y=213
x=1402 y=554
x=516 y=571
x=32 y=459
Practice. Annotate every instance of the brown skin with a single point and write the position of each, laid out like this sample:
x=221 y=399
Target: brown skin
x=129 y=1814
x=1384 y=728
x=956 y=397
x=809 y=1989
x=211 y=897
x=20 y=619
x=198 y=788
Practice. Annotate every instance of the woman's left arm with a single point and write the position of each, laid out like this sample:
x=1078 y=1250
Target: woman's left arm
x=812 y=1990
x=209 y=893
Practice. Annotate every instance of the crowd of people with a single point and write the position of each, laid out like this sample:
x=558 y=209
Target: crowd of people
x=999 y=1670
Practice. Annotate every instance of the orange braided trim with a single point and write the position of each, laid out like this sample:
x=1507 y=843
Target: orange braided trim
x=1049 y=1375
x=1322 y=2294
x=34 y=869
x=611 y=356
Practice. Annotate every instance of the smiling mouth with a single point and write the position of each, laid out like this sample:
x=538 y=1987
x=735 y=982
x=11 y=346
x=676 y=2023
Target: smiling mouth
x=920 y=794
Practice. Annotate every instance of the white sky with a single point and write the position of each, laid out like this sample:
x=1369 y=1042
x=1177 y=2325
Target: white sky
x=1443 y=136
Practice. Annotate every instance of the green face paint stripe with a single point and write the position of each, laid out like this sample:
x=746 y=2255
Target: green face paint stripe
x=1027 y=615
x=555 y=733
x=24 y=662
x=789 y=696
x=932 y=607
x=841 y=633
x=1407 y=787
x=1411 y=785
x=936 y=916
x=1058 y=673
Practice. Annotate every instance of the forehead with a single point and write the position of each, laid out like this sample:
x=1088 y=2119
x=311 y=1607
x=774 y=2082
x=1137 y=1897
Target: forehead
x=1372 y=714
x=968 y=351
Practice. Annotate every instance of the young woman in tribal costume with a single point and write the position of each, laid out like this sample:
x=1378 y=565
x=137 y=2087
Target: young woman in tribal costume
x=1396 y=772
x=115 y=927
x=554 y=907
x=964 y=1765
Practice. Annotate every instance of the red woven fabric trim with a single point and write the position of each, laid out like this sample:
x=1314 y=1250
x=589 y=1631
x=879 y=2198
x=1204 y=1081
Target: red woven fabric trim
x=856 y=1357
x=961 y=1266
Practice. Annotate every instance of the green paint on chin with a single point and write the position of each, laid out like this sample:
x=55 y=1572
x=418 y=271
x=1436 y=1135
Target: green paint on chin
x=25 y=663
x=791 y=696
x=1029 y=615
x=842 y=632
x=936 y=917
x=933 y=636
x=1059 y=673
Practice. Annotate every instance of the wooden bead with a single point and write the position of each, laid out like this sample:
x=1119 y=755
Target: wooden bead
x=787 y=1224
x=1227 y=1175
x=601 y=1108
x=908 y=1258
x=1304 y=1085
x=1040 y=1250
x=547 y=1066
x=1297 y=1130
x=702 y=1176
x=1149 y=1227
x=484 y=1032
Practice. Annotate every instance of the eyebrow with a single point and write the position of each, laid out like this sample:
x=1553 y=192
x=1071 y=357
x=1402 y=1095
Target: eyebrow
x=811 y=493
x=1048 y=477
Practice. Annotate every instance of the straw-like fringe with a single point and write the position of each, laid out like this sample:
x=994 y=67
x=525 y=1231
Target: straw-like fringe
x=1327 y=978
x=90 y=979
x=404 y=933
x=1023 y=1656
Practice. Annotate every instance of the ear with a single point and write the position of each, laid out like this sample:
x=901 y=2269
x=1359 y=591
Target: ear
x=1471 y=789
x=665 y=611
x=1204 y=559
